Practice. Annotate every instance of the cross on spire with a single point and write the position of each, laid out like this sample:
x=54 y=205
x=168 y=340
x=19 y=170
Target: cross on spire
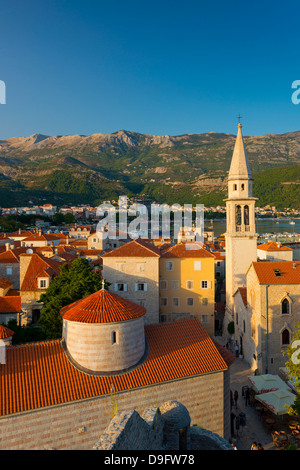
x=239 y=118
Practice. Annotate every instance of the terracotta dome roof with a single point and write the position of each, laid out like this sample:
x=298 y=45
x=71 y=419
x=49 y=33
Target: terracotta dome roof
x=102 y=307
x=5 y=332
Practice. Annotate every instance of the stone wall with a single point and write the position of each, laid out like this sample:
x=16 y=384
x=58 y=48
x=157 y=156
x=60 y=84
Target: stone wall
x=78 y=425
x=130 y=431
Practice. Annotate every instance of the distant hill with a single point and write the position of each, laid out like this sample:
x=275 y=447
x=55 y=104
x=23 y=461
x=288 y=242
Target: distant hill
x=187 y=168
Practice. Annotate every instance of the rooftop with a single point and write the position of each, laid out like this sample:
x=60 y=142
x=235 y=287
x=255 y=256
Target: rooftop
x=277 y=272
x=39 y=374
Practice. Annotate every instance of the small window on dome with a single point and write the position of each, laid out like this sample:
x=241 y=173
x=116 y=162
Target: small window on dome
x=114 y=337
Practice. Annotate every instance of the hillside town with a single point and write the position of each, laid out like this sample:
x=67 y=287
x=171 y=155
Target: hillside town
x=167 y=327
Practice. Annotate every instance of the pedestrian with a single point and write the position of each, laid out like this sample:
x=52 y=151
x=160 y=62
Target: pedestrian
x=236 y=351
x=260 y=447
x=247 y=396
x=236 y=396
x=254 y=446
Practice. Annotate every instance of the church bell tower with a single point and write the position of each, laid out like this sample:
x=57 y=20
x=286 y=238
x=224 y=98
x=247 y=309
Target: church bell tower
x=240 y=236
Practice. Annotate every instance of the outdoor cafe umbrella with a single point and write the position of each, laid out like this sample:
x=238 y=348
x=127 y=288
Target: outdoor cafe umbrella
x=267 y=383
x=276 y=401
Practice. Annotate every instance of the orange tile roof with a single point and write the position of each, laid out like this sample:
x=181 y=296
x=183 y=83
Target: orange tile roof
x=273 y=246
x=4 y=283
x=42 y=237
x=243 y=292
x=10 y=304
x=12 y=256
x=5 y=332
x=184 y=250
x=39 y=266
x=177 y=350
x=289 y=272
x=102 y=307
x=136 y=248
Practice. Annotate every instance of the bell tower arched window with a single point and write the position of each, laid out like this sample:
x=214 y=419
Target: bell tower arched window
x=238 y=215
x=246 y=215
x=285 y=337
x=285 y=307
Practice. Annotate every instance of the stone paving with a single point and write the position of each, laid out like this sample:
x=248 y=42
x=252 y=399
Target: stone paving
x=254 y=429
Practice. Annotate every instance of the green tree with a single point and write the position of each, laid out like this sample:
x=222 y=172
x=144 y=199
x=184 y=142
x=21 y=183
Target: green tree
x=69 y=218
x=74 y=282
x=293 y=367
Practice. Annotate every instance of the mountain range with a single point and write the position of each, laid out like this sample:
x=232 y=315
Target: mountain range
x=189 y=168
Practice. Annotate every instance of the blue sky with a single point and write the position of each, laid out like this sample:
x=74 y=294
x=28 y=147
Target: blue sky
x=159 y=67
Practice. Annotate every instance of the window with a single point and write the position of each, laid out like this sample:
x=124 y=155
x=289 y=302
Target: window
x=285 y=307
x=140 y=286
x=120 y=266
x=142 y=303
x=238 y=215
x=205 y=284
x=114 y=337
x=189 y=284
x=243 y=187
x=204 y=300
x=95 y=240
x=285 y=337
x=244 y=326
x=163 y=285
x=9 y=271
x=43 y=283
x=175 y=285
x=140 y=267
x=204 y=318
x=163 y=318
x=175 y=301
x=246 y=215
x=169 y=265
x=163 y=301
x=190 y=301
x=197 y=265
x=121 y=287
x=234 y=187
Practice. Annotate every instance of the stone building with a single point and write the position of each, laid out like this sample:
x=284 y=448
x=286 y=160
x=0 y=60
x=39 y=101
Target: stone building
x=36 y=273
x=274 y=251
x=133 y=271
x=266 y=312
x=55 y=395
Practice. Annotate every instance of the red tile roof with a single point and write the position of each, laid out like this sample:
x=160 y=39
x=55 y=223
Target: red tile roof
x=187 y=250
x=266 y=272
x=102 y=307
x=12 y=256
x=39 y=266
x=5 y=283
x=177 y=350
x=243 y=292
x=273 y=246
x=5 y=332
x=136 y=248
x=10 y=304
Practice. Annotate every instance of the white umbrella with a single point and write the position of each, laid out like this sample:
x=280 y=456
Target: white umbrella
x=277 y=401
x=267 y=383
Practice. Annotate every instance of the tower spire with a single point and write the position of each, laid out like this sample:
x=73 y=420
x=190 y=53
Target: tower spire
x=239 y=168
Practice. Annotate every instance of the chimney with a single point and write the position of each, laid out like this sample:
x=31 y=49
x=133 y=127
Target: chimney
x=7 y=246
x=20 y=231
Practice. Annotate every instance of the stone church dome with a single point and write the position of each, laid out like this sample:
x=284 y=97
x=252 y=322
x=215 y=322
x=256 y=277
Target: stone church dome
x=104 y=333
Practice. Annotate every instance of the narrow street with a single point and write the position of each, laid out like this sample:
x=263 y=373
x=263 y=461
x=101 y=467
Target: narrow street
x=254 y=429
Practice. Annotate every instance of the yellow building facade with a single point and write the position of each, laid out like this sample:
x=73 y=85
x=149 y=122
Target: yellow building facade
x=187 y=284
